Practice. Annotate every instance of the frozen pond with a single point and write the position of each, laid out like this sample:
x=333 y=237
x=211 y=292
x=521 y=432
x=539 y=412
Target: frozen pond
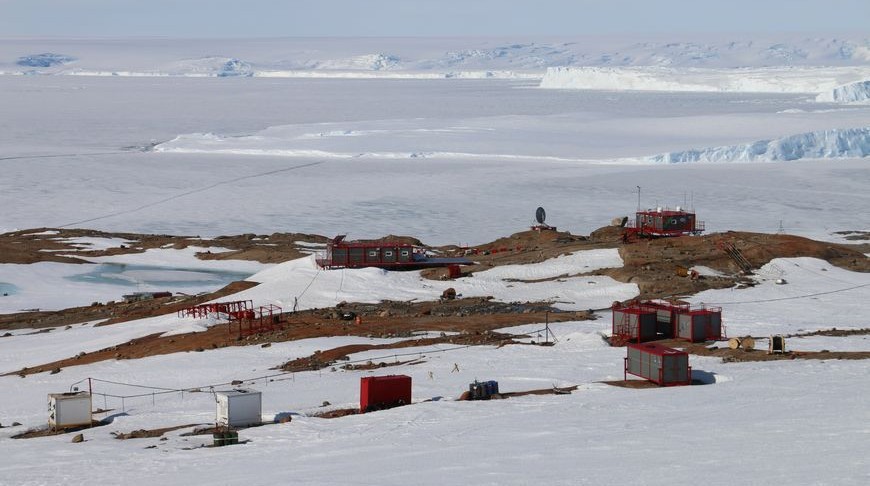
x=7 y=289
x=156 y=277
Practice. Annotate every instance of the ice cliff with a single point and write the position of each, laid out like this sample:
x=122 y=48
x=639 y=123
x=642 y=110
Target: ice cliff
x=827 y=144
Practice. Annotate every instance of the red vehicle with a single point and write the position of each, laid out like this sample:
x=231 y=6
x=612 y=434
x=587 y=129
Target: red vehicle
x=381 y=392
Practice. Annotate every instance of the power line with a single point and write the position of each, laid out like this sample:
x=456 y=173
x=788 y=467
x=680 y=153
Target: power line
x=163 y=390
x=188 y=193
x=788 y=298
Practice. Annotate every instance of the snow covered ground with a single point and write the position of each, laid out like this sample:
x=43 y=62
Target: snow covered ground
x=209 y=138
x=301 y=283
x=596 y=435
x=837 y=297
x=597 y=424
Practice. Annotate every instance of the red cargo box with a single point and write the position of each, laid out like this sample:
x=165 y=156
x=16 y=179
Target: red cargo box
x=380 y=392
x=659 y=364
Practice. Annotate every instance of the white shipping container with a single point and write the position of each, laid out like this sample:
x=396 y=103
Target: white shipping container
x=69 y=409
x=239 y=408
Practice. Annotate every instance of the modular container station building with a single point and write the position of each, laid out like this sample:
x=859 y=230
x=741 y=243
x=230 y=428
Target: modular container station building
x=660 y=364
x=654 y=223
x=382 y=254
x=698 y=325
x=657 y=319
x=635 y=324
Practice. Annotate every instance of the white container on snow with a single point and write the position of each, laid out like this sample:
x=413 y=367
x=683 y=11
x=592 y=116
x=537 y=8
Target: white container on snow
x=69 y=409
x=239 y=408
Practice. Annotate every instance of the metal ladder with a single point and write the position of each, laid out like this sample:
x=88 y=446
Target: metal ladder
x=735 y=255
x=623 y=331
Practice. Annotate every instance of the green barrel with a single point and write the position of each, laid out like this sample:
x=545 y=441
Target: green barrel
x=219 y=440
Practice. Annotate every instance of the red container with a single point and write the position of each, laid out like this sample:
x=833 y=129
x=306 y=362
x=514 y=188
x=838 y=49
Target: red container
x=659 y=364
x=380 y=392
x=453 y=271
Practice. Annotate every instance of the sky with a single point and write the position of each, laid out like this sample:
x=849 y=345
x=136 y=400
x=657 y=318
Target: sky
x=291 y=18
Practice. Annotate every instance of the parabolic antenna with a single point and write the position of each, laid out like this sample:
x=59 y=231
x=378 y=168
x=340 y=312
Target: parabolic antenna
x=540 y=215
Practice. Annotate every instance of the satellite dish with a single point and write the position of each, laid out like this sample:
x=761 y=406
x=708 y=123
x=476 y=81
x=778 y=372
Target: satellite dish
x=540 y=215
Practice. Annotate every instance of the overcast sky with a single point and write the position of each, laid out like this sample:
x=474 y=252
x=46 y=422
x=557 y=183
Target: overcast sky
x=279 y=18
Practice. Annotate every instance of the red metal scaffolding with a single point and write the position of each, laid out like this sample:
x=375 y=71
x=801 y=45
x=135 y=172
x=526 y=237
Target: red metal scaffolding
x=264 y=319
x=227 y=310
x=242 y=317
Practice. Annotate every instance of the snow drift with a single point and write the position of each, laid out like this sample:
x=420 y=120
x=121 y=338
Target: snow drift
x=827 y=144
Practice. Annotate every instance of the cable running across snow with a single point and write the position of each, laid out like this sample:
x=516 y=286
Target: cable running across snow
x=188 y=193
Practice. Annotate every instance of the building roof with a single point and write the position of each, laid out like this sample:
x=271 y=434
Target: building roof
x=657 y=349
x=666 y=212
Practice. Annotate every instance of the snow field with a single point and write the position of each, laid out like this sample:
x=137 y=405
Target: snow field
x=466 y=159
x=817 y=295
x=313 y=287
x=317 y=288
x=578 y=153
x=573 y=439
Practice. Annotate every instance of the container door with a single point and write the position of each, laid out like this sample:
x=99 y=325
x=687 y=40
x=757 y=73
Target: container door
x=700 y=327
x=648 y=326
x=684 y=326
x=655 y=366
x=645 y=365
x=676 y=369
x=715 y=329
x=634 y=361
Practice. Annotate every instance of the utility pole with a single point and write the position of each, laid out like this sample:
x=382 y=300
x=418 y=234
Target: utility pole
x=547 y=327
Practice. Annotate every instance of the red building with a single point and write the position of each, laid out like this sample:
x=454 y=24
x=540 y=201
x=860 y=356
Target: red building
x=659 y=222
x=658 y=319
x=381 y=254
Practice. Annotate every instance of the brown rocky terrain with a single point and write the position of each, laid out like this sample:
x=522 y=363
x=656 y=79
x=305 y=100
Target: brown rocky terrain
x=659 y=267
